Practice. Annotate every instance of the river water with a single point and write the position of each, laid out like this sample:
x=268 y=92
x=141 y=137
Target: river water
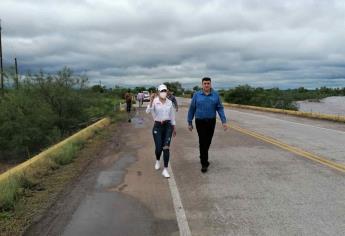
x=329 y=105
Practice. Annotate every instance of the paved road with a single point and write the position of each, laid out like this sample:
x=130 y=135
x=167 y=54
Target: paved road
x=323 y=138
x=252 y=187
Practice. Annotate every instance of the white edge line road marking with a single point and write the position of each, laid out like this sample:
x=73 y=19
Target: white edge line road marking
x=248 y=113
x=179 y=210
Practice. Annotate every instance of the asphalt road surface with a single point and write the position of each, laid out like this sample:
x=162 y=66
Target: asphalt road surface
x=253 y=186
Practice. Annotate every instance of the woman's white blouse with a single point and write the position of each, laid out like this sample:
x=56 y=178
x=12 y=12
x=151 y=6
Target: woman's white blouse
x=162 y=111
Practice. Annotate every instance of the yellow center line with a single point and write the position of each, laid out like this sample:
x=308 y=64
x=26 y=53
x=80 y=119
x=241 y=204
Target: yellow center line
x=295 y=150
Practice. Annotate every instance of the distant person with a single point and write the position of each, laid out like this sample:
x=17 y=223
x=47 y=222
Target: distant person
x=172 y=98
x=204 y=105
x=140 y=98
x=128 y=99
x=163 y=114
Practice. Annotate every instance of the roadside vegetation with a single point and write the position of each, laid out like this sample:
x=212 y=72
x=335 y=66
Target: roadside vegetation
x=47 y=108
x=25 y=197
x=37 y=113
x=275 y=97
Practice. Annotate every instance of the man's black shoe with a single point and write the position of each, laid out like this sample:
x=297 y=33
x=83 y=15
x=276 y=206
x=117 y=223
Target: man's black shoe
x=204 y=169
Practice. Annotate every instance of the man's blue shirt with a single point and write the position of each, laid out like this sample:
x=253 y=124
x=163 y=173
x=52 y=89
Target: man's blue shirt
x=205 y=106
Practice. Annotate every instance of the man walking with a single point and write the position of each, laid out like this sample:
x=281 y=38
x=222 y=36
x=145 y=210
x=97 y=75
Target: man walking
x=204 y=105
x=128 y=99
x=172 y=98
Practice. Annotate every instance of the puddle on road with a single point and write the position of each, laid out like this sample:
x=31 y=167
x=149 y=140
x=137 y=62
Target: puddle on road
x=105 y=213
x=113 y=176
x=138 y=119
x=111 y=213
x=138 y=122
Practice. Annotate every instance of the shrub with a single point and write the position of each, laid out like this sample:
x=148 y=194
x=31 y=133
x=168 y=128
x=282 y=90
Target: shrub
x=47 y=108
x=68 y=153
x=275 y=97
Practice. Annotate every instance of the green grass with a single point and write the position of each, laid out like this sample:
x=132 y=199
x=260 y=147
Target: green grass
x=44 y=182
x=9 y=193
x=68 y=153
x=15 y=187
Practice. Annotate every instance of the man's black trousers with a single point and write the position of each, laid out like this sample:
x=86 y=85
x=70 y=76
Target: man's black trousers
x=205 y=128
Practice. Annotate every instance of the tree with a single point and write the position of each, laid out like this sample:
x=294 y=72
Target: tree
x=98 y=88
x=241 y=94
x=152 y=89
x=196 y=88
x=26 y=124
x=175 y=87
x=139 y=89
x=302 y=90
x=46 y=108
x=66 y=103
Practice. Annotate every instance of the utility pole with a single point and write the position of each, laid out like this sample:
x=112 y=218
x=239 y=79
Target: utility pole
x=1 y=65
x=16 y=70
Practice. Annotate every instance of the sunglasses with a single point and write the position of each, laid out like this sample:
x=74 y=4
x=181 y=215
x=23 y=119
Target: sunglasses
x=164 y=90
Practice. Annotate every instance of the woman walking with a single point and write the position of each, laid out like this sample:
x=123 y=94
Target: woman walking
x=163 y=113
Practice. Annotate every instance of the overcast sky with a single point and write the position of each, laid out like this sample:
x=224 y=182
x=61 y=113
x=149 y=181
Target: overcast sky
x=284 y=44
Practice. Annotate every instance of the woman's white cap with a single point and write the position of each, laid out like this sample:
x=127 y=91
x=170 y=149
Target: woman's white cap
x=162 y=87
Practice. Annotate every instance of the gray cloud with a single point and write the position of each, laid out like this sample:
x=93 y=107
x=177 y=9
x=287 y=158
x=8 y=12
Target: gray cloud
x=133 y=42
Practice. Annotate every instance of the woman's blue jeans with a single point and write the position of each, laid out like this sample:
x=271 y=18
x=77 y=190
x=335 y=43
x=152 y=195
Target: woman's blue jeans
x=162 y=132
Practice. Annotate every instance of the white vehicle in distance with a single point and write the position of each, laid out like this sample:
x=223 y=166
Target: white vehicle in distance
x=146 y=96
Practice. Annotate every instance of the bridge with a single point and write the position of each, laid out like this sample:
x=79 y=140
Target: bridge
x=270 y=174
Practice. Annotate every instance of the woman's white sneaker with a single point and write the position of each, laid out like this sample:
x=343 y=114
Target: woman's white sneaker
x=165 y=173
x=157 y=165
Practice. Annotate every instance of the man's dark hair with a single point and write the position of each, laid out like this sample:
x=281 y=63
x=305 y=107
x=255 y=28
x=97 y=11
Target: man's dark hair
x=206 y=79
